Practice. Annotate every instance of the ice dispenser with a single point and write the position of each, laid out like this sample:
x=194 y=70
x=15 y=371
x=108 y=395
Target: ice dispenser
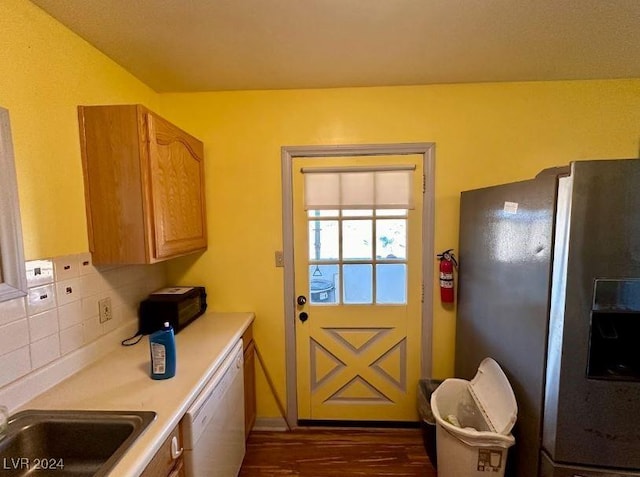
x=614 y=337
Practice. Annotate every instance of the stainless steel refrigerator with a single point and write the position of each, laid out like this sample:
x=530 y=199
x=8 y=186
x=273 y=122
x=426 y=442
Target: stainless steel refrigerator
x=549 y=286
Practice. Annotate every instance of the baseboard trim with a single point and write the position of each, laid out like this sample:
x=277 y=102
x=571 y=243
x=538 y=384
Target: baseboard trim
x=363 y=424
x=270 y=424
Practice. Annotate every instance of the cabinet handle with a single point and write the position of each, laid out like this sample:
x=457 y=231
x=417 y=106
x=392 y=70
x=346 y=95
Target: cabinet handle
x=175 y=453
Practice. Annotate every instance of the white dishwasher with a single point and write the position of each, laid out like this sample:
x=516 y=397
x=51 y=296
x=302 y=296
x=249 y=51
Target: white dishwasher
x=214 y=425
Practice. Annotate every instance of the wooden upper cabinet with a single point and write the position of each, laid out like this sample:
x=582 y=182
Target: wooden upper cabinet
x=144 y=186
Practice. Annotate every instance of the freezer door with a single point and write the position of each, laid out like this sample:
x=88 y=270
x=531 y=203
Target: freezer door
x=591 y=421
x=505 y=265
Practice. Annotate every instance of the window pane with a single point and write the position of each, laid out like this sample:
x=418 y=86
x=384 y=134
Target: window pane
x=357 y=213
x=323 y=281
x=323 y=240
x=391 y=212
x=356 y=240
x=358 y=283
x=323 y=213
x=391 y=283
x=391 y=239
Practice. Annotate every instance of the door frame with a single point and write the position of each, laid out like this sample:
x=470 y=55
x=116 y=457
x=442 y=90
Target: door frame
x=288 y=153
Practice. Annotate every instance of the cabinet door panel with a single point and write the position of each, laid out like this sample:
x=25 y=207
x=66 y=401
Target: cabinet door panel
x=111 y=148
x=177 y=189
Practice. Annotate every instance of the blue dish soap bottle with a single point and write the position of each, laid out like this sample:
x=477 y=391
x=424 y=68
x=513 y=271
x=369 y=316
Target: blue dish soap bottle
x=162 y=344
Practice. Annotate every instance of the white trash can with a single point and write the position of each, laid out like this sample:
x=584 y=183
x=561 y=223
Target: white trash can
x=473 y=423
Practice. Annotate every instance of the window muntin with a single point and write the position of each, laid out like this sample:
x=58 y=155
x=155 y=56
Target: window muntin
x=347 y=266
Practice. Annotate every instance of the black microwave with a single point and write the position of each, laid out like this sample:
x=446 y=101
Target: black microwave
x=177 y=305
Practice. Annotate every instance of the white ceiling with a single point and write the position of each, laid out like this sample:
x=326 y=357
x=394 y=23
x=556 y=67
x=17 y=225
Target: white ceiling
x=208 y=45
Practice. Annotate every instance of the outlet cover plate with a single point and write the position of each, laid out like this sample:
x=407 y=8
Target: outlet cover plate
x=104 y=307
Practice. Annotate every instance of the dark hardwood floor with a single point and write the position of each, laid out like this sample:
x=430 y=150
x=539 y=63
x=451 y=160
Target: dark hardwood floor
x=337 y=452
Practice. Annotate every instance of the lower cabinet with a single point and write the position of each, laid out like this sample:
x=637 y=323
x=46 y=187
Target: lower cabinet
x=168 y=461
x=249 y=381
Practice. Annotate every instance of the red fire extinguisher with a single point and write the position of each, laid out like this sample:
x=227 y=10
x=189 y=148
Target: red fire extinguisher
x=447 y=264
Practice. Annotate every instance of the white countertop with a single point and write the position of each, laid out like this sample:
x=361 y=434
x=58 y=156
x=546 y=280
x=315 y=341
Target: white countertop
x=120 y=381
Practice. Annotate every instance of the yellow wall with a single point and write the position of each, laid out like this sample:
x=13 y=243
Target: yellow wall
x=484 y=134
x=45 y=72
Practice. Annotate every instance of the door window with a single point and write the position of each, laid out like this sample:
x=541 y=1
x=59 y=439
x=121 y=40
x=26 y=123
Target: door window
x=358 y=256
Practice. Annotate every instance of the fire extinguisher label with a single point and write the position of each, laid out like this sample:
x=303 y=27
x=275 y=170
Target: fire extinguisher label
x=446 y=280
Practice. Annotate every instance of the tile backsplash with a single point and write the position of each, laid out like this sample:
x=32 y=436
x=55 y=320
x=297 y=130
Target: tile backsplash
x=60 y=314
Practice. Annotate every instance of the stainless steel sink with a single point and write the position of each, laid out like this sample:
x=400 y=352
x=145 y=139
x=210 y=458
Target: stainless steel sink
x=69 y=443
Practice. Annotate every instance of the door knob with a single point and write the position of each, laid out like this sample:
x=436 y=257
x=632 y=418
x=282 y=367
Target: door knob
x=303 y=316
x=301 y=300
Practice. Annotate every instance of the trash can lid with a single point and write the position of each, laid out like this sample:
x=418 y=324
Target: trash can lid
x=493 y=394
x=318 y=285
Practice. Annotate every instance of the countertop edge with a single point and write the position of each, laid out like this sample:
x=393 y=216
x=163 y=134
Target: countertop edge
x=210 y=338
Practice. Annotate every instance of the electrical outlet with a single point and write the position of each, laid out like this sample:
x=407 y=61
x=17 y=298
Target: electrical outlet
x=104 y=306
